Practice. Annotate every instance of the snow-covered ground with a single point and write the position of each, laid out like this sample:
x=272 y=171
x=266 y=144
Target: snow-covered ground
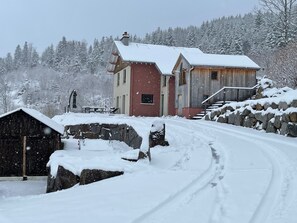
x=211 y=172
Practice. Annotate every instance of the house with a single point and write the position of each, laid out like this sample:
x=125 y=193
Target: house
x=27 y=139
x=202 y=79
x=143 y=83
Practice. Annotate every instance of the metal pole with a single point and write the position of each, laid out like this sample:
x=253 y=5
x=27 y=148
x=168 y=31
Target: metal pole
x=24 y=157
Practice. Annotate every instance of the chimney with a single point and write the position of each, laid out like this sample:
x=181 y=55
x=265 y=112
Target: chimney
x=125 y=39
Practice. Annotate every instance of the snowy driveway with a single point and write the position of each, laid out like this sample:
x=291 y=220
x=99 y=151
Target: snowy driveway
x=210 y=173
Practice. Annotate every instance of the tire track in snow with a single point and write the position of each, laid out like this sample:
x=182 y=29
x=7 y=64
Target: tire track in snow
x=277 y=195
x=212 y=174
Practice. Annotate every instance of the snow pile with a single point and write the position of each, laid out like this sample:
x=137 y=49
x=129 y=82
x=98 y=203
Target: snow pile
x=94 y=154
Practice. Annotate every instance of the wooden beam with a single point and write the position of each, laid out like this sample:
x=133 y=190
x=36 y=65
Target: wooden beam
x=24 y=157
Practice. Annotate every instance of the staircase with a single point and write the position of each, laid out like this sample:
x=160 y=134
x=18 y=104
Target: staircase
x=210 y=108
x=218 y=104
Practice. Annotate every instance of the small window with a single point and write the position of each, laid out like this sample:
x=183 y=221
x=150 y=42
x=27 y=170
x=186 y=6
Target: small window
x=124 y=76
x=118 y=79
x=182 y=75
x=164 y=81
x=147 y=98
x=214 y=75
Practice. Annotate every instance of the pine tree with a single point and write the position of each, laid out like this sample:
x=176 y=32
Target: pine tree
x=25 y=55
x=191 y=38
x=9 y=62
x=34 y=59
x=17 y=57
x=48 y=57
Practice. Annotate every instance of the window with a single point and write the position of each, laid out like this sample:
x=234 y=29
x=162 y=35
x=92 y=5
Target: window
x=182 y=75
x=118 y=101
x=118 y=79
x=164 y=81
x=124 y=76
x=147 y=98
x=214 y=75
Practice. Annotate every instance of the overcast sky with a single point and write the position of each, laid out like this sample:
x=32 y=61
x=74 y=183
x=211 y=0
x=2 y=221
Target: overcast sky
x=42 y=22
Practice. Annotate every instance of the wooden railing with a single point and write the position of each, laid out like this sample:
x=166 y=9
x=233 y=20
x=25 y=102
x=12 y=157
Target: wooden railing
x=204 y=103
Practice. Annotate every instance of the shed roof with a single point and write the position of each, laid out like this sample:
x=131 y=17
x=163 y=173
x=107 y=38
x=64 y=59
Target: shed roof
x=40 y=117
x=163 y=56
x=219 y=60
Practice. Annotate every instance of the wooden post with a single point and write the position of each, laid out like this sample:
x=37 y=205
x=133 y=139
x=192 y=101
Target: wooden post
x=224 y=96
x=24 y=157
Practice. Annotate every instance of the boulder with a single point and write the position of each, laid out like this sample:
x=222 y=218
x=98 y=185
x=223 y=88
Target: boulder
x=273 y=105
x=222 y=119
x=284 y=129
x=63 y=180
x=270 y=127
x=231 y=118
x=249 y=122
x=293 y=117
x=88 y=176
x=292 y=129
x=245 y=112
x=259 y=107
x=157 y=135
x=294 y=103
x=283 y=105
x=285 y=118
x=238 y=119
x=277 y=122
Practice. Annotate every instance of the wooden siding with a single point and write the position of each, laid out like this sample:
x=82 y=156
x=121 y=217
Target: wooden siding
x=202 y=86
x=41 y=142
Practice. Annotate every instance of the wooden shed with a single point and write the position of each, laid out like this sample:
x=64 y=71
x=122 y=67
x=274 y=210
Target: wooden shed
x=211 y=78
x=27 y=139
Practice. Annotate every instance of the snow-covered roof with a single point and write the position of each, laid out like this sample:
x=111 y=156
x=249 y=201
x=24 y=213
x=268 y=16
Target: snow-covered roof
x=163 y=56
x=40 y=117
x=218 y=60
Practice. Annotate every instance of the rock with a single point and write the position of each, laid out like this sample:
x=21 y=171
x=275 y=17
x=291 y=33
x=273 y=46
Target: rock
x=270 y=116
x=282 y=105
x=229 y=108
x=273 y=105
x=266 y=106
x=270 y=127
x=215 y=113
x=259 y=107
x=245 y=112
x=285 y=118
x=145 y=154
x=294 y=103
x=238 y=119
x=261 y=117
x=284 y=129
x=122 y=132
x=157 y=135
x=63 y=180
x=222 y=119
x=88 y=176
x=249 y=122
x=231 y=118
x=292 y=130
x=293 y=117
x=277 y=122
x=206 y=117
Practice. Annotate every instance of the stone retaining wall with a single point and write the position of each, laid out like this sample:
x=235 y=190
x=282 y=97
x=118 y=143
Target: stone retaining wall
x=120 y=132
x=278 y=118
